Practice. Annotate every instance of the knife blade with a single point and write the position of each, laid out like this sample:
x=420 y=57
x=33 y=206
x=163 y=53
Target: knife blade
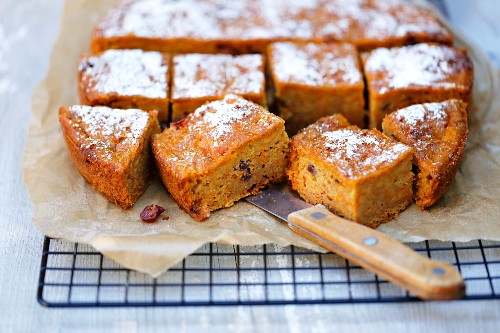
x=371 y=249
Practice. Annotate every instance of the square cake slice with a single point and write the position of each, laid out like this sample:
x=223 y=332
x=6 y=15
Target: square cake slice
x=110 y=148
x=421 y=73
x=224 y=151
x=361 y=175
x=437 y=132
x=126 y=79
x=200 y=78
x=311 y=81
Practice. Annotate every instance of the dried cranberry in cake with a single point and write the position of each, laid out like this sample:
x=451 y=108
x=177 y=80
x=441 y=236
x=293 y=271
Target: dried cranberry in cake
x=110 y=148
x=421 y=73
x=199 y=78
x=359 y=174
x=311 y=81
x=437 y=132
x=126 y=79
x=224 y=151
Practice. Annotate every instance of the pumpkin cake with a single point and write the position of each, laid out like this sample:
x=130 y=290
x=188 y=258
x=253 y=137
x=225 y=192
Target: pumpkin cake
x=359 y=174
x=199 y=78
x=248 y=26
x=437 y=132
x=311 y=81
x=110 y=148
x=224 y=151
x=421 y=73
x=126 y=79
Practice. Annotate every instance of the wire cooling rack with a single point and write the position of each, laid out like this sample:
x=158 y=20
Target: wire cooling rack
x=75 y=275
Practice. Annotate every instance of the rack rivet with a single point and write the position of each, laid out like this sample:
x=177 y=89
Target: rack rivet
x=370 y=241
x=318 y=215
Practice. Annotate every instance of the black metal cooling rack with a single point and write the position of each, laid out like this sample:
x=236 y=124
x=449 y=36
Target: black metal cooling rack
x=75 y=275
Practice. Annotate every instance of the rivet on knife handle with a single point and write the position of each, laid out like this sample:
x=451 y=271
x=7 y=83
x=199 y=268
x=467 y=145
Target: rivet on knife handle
x=379 y=253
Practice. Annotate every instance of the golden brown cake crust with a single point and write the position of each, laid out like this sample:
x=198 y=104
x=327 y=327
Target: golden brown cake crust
x=199 y=78
x=110 y=148
x=126 y=79
x=225 y=150
x=421 y=73
x=438 y=133
x=248 y=26
x=359 y=174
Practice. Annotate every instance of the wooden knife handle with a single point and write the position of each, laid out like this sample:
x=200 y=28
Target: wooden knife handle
x=380 y=254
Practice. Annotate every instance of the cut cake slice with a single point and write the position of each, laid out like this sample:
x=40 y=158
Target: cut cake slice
x=311 y=81
x=224 y=151
x=437 y=132
x=110 y=148
x=361 y=175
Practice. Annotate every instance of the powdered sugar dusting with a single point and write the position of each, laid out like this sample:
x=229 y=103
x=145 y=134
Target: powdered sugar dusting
x=315 y=65
x=162 y=19
x=219 y=117
x=357 y=151
x=214 y=130
x=417 y=114
x=416 y=65
x=245 y=20
x=108 y=129
x=201 y=75
x=126 y=73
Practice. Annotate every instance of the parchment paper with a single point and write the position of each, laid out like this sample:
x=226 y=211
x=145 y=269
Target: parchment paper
x=67 y=207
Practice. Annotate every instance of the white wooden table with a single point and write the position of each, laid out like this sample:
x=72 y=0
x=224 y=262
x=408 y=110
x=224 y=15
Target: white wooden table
x=28 y=29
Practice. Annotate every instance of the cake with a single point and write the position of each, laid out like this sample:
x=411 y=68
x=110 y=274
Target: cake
x=198 y=78
x=359 y=174
x=437 y=132
x=126 y=79
x=110 y=148
x=188 y=26
x=371 y=24
x=421 y=73
x=225 y=150
x=248 y=26
x=311 y=81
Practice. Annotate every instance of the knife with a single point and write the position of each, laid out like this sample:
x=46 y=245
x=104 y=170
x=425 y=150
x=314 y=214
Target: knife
x=373 y=250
